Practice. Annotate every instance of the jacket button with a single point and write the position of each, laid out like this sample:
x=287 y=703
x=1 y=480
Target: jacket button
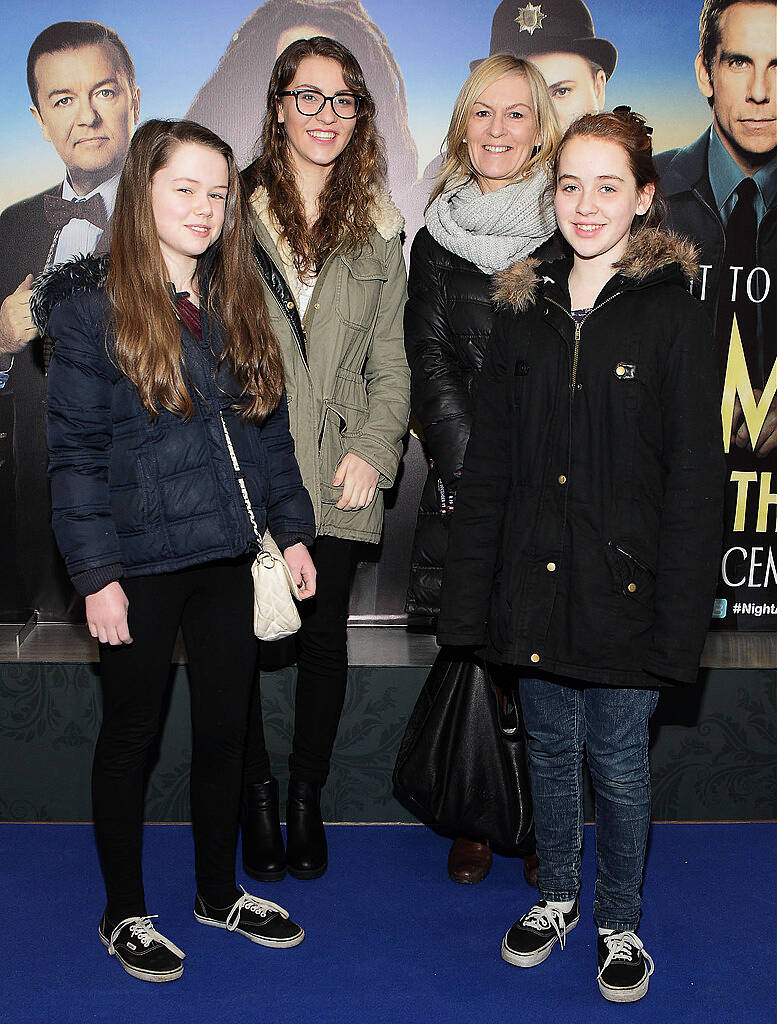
x=562 y=479
x=535 y=658
x=316 y=305
x=551 y=566
x=289 y=305
x=620 y=370
x=632 y=587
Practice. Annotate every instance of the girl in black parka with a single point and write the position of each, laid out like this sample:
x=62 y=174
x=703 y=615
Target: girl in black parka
x=585 y=544
x=160 y=355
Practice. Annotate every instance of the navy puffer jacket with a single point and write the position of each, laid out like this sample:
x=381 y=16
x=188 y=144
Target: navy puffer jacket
x=148 y=496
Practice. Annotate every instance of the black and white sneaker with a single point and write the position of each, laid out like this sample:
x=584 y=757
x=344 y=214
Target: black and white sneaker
x=624 y=967
x=533 y=936
x=141 y=950
x=259 y=920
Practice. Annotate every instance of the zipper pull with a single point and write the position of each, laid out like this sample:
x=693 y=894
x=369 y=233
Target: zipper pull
x=578 y=328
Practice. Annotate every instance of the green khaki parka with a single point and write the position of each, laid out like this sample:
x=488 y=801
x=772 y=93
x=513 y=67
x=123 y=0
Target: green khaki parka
x=347 y=379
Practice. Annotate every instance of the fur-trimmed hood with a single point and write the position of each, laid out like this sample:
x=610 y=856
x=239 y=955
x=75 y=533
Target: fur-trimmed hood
x=650 y=252
x=63 y=281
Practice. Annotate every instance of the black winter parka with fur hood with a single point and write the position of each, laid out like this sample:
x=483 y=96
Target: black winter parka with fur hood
x=588 y=523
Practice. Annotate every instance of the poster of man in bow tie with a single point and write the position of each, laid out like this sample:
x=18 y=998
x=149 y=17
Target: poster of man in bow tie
x=85 y=100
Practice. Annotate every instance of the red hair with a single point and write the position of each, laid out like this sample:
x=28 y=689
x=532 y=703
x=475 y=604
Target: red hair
x=632 y=133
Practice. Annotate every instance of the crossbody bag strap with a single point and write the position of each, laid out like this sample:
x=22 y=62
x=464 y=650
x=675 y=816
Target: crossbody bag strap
x=241 y=482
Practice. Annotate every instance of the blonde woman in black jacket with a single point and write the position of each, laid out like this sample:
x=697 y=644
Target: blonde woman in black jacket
x=585 y=544
x=488 y=208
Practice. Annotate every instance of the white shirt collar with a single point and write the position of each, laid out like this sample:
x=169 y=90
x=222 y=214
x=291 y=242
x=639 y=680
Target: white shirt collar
x=107 y=190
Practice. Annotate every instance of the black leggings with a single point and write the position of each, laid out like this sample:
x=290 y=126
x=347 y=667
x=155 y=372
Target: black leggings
x=213 y=604
x=322 y=670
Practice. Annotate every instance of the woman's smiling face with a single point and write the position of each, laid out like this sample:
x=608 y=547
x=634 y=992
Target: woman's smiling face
x=501 y=132
x=315 y=140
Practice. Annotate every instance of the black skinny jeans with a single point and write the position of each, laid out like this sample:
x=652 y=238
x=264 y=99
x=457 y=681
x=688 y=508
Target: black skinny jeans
x=322 y=670
x=213 y=604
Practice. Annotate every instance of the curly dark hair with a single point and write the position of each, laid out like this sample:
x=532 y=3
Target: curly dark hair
x=231 y=102
x=346 y=200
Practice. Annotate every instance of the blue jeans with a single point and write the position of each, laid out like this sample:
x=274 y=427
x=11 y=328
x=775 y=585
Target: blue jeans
x=561 y=718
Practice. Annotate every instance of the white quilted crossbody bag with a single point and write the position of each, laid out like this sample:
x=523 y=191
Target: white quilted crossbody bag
x=275 y=613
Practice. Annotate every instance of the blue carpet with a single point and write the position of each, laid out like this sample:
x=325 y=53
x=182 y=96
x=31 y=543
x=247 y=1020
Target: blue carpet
x=389 y=939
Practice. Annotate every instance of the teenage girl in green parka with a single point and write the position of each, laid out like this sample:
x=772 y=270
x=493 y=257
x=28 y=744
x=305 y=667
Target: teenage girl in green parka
x=329 y=237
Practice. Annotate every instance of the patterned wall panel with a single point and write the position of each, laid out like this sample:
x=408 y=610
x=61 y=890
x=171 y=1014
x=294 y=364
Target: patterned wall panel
x=714 y=754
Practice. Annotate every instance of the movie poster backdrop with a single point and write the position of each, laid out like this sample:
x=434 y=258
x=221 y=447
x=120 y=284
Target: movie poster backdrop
x=213 y=67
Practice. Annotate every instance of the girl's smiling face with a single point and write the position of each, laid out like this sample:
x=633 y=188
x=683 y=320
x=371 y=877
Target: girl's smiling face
x=597 y=198
x=188 y=198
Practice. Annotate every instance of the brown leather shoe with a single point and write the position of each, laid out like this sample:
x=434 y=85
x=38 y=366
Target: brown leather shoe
x=468 y=862
x=531 y=867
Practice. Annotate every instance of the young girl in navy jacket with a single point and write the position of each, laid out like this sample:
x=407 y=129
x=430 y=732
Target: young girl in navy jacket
x=158 y=353
x=588 y=522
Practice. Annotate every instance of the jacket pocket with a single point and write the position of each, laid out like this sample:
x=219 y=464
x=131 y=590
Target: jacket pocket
x=345 y=414
x=331 y=448
x=635 y=579
x=359 y=287
x=131 y=501
x=349 y=400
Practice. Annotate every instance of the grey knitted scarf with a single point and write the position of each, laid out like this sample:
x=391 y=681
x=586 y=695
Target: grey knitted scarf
x=493 y=229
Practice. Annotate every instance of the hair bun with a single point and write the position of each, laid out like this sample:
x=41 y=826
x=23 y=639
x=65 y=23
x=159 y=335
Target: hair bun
x=632 y=117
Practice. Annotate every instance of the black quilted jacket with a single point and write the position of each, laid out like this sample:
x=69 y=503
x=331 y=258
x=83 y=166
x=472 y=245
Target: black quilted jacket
x=448 y=320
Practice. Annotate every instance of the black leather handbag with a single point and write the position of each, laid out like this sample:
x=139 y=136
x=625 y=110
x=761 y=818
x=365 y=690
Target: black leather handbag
x=462 y=763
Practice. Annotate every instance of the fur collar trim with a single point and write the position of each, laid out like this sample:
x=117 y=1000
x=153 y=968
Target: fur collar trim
x=63 y=281
x=649 y=252
x=386 y=218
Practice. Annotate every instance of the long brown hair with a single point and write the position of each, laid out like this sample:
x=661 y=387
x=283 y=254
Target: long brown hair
x=346 y=200
x=630 y=130
x=148 y=341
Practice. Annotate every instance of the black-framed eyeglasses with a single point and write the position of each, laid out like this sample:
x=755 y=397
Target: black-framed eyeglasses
x=311 y=101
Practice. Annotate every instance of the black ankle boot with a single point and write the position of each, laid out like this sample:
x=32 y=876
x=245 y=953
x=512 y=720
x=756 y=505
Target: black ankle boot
x=264 y=857
x=306 y=854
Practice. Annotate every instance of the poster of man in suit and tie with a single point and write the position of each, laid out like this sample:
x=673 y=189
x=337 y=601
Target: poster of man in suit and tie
x=85 y=100
x=721 y=193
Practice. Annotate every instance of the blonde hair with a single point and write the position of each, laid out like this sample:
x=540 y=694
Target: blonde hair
x=457 y=167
